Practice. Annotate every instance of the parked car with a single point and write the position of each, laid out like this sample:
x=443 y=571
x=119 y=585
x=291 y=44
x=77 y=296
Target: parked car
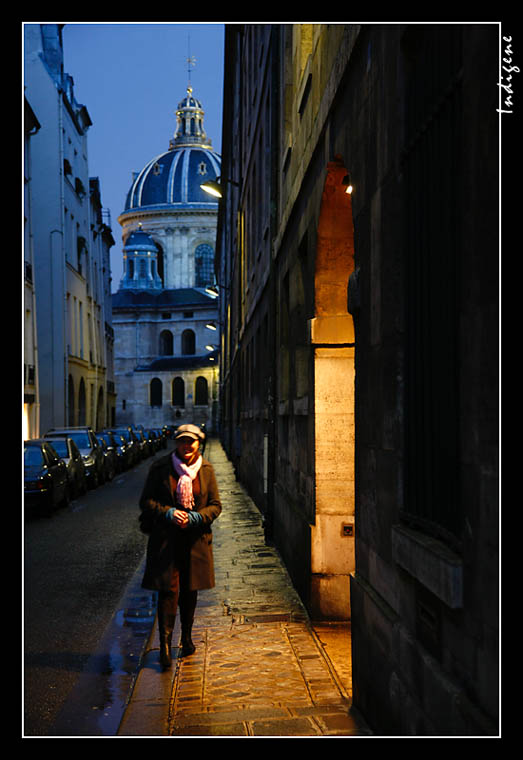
x=148 y=449
x=169 y=430
x=131 y=441
x=162 y=437
x=90 y=450
x=46 y=484
x=151 y=439
x=154 y=440
x=117 y=443
x=109 y=459
x=127 y=448
x=67 y=450
x=143 y=441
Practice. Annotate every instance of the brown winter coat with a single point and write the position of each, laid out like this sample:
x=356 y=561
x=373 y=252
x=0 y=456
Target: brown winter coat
x=170 y=548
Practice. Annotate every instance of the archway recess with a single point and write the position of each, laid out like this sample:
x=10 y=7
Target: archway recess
x=332 y=338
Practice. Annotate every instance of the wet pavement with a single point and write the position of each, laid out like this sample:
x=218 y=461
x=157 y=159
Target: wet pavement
x=261 y=668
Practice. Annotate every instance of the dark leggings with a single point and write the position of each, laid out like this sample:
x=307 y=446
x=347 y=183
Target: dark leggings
x=169 y=601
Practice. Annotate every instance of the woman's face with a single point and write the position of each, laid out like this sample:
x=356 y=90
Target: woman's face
x=188 y=449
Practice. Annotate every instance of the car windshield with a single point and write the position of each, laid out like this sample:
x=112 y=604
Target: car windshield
x=60 y=446
x=81 y=440
x=33 y=456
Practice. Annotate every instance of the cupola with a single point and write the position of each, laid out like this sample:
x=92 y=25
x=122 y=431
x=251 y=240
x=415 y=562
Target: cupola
x=140 y=256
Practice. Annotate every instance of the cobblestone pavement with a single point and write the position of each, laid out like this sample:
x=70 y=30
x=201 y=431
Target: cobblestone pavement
x=260 y=669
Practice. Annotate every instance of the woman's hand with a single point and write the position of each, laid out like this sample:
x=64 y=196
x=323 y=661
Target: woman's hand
x=180 y=518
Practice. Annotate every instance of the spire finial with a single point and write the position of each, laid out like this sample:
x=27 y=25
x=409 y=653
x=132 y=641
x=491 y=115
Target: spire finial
x=191 y=61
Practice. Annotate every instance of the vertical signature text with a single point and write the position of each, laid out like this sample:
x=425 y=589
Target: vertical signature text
x=505 y=83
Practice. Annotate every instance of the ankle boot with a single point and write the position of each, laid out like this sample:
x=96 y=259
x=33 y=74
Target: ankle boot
x=165 y=650
x=167 y=603
x=188 y=600
x=188 y=647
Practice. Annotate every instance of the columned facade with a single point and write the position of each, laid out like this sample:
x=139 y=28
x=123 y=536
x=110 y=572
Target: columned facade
x=165 y=320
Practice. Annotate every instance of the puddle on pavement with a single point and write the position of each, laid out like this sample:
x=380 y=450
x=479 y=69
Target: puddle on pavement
x=97 y=703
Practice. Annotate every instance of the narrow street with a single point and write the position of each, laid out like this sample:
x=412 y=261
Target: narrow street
x=78 y=563
x=91 y=666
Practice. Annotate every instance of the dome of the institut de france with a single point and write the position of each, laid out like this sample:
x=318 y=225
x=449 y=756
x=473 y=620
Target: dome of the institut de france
x=166 y=200
x=165 y=361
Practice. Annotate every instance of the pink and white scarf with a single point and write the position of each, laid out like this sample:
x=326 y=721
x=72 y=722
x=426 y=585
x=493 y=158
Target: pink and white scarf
x=186 y=475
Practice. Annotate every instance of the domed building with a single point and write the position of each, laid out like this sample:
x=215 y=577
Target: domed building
x=165 y=357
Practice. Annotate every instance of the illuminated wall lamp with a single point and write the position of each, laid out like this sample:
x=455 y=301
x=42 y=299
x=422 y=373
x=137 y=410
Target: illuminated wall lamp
x=212 y=290
x=214 y=187
x=347 y=181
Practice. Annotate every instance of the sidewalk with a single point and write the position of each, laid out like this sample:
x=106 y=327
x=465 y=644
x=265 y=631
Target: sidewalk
x=260 y=667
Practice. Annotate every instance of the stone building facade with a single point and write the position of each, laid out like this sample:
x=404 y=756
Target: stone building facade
x=31 y=414
x=165 y=318
x=70 y=242
x=359 y=348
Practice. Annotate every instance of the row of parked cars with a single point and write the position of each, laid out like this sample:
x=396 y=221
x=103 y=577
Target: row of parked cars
x=67 y=462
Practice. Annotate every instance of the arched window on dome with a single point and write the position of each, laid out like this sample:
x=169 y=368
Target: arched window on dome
x=166 y=343
x=178 y=391
x=155 y=392
x=204 y=265
x=201 y=395
x=143 y=268
x=188 y=342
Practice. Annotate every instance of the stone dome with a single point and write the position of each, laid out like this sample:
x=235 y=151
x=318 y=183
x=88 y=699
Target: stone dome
x=139 y=241
x=173 y=178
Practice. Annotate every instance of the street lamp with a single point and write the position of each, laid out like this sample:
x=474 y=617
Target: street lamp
x=214 y=290
x=214 y=187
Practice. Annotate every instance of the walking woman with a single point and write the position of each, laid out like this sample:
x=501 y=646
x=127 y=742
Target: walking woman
x=179 y=502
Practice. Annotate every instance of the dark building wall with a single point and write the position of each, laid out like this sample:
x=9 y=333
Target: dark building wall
x=424 y=614
x=411 y=113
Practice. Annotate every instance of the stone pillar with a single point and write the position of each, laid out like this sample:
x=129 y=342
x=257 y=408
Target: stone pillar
x=332 y=535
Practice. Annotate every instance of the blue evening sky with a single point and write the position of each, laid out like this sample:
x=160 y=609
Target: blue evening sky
x=131 y=77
